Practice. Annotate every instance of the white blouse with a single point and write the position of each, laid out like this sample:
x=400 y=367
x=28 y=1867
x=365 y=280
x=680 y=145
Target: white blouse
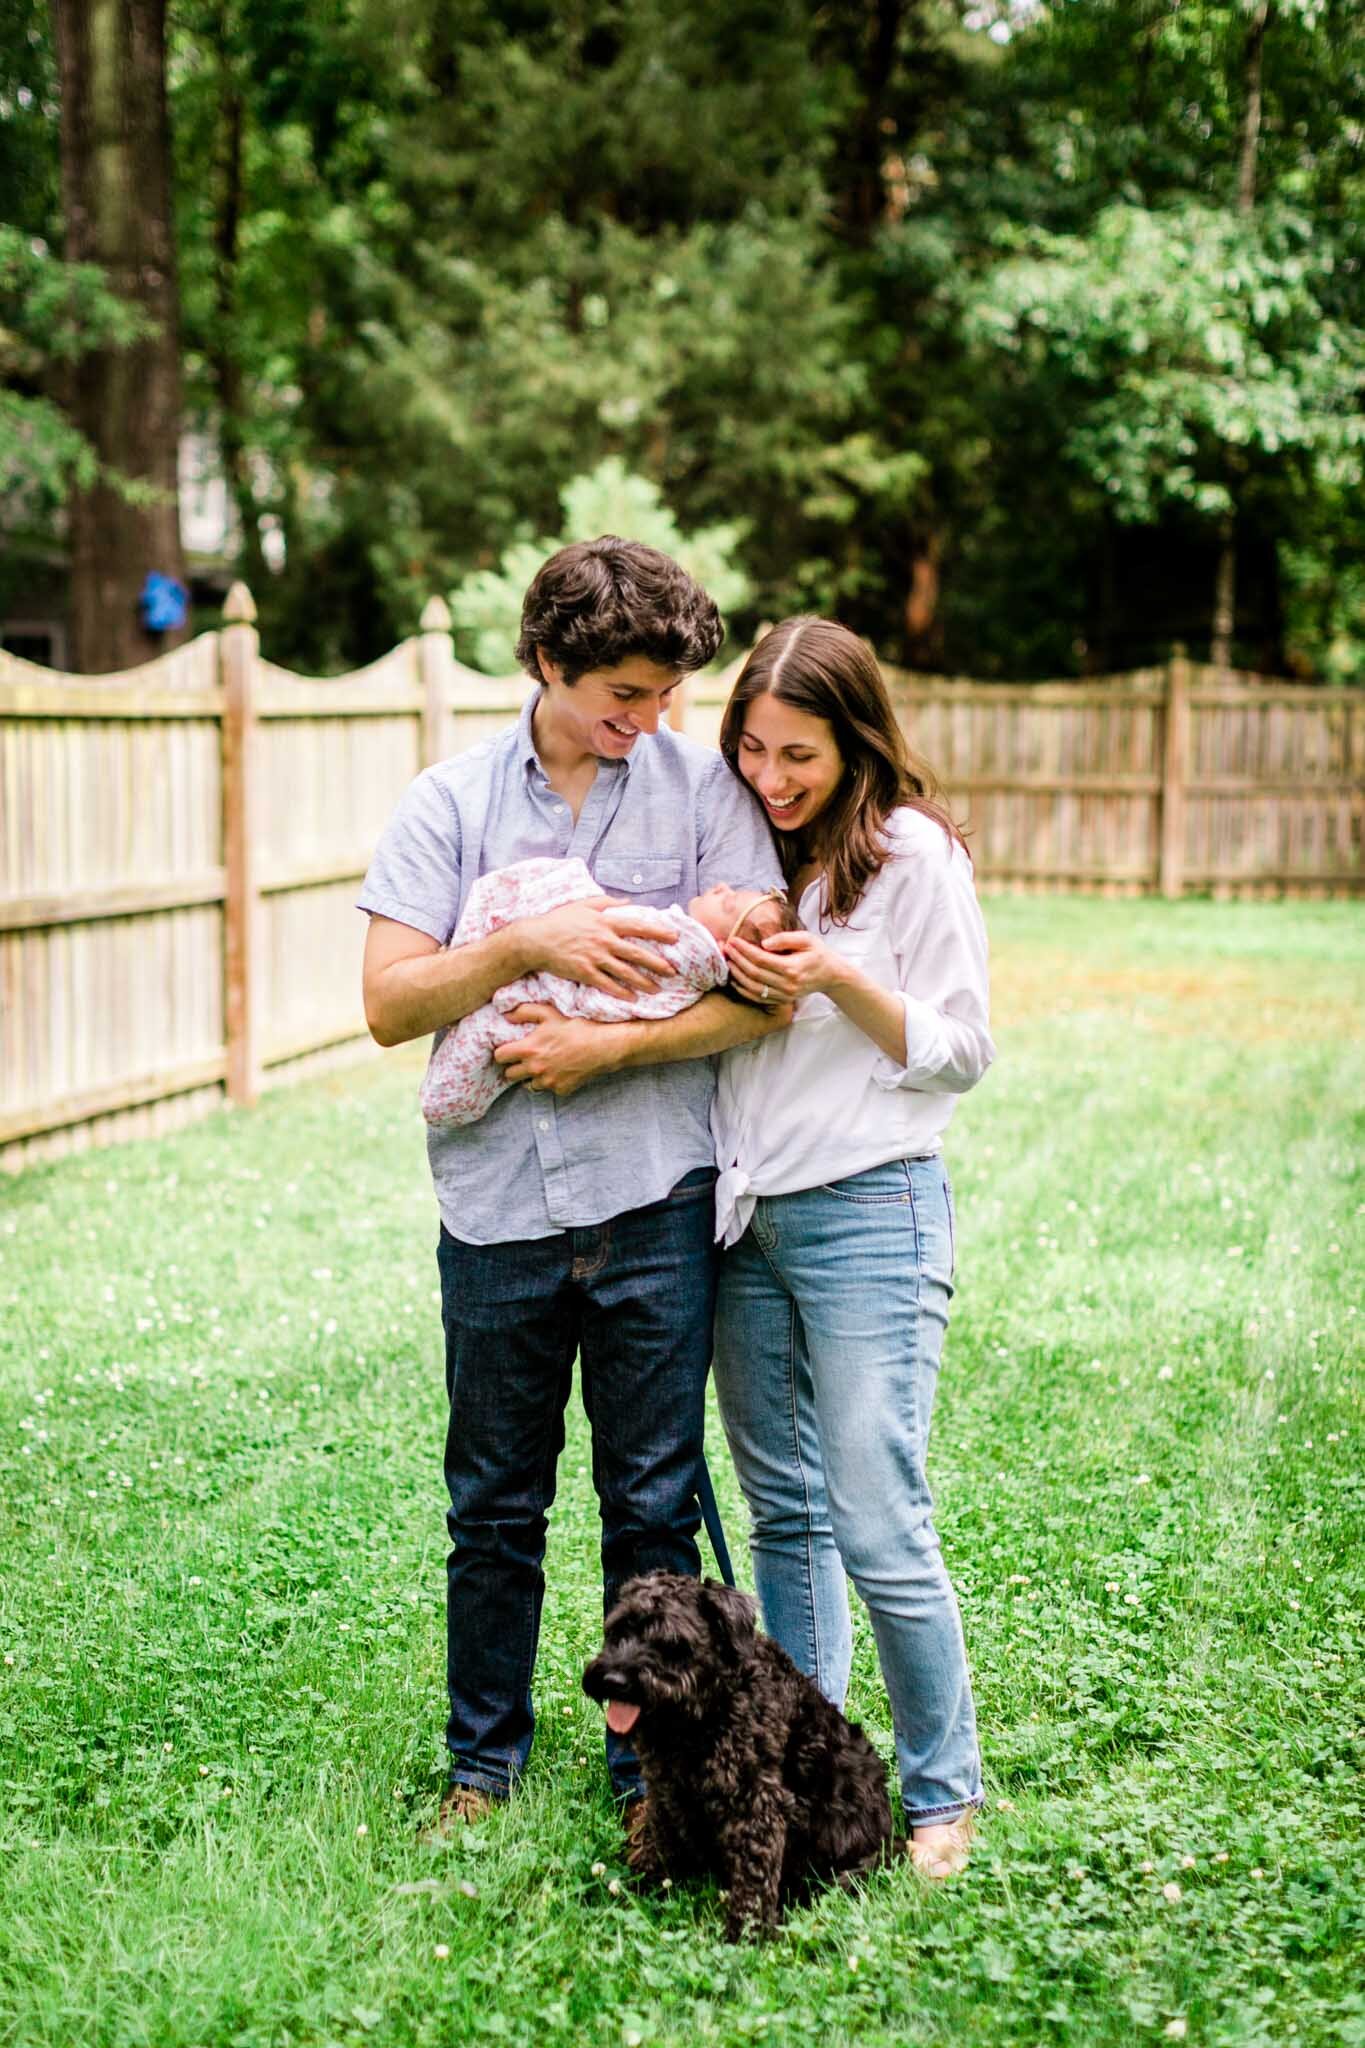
x=820 y=1101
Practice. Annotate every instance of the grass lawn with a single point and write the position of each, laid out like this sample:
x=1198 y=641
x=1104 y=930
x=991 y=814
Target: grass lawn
x=221 y=1604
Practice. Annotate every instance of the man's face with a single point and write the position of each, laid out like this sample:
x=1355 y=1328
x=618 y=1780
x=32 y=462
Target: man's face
x=607 y=709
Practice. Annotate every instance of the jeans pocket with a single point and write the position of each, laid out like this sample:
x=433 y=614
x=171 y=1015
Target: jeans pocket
x=952 y=1222
x=888 y=1183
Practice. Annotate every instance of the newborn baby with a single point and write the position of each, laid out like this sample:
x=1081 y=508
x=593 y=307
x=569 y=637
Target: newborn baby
x=463 y=1078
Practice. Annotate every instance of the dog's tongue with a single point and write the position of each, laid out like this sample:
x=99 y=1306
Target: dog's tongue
x=621 y=1718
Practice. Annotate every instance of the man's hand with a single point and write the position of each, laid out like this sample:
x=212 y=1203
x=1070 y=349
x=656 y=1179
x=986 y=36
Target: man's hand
x=597 y=943
x=560 y=1054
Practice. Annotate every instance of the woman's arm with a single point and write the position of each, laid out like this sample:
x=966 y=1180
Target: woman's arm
x=794 y=964
x=931 y=1030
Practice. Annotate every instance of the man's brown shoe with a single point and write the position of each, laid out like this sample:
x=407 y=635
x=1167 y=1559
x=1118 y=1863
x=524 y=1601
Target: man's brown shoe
x=461 y=1806
x=642 y=1858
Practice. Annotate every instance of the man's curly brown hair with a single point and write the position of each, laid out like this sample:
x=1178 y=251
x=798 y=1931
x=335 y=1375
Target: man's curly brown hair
x=600 y=602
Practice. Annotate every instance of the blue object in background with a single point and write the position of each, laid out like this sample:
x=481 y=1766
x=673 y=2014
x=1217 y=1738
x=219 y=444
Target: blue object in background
x=164 y=603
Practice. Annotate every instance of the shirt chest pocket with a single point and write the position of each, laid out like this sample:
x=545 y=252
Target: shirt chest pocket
x=640 y=877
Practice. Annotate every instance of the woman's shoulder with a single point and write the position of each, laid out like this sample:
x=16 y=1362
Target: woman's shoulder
x=913 y=836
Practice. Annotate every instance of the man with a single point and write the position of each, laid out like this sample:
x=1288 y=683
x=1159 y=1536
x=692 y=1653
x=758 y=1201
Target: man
x=576 y=1216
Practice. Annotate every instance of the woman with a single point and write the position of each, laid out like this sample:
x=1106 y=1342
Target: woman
x=834 y=1202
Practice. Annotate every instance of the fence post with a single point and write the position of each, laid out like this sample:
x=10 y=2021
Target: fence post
x=238 y=649
x=1175 y=748
x=435 y=666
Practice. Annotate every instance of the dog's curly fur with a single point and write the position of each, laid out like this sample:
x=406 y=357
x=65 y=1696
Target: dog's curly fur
x=751 y=1776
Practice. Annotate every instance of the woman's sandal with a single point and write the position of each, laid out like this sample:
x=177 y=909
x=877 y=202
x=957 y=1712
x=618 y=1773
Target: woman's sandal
x=946 y=1852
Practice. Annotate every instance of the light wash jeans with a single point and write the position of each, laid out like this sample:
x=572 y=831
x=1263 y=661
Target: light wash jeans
x=829 y=1327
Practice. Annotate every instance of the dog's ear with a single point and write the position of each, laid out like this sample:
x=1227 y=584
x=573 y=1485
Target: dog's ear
x=731 y=1616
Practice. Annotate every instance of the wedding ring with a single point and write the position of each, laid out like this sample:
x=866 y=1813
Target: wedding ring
x=765 y=994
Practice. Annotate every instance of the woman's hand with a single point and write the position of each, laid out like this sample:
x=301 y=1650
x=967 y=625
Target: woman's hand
x=785 y=967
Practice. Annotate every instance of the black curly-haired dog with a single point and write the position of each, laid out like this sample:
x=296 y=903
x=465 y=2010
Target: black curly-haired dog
x=751 y=1776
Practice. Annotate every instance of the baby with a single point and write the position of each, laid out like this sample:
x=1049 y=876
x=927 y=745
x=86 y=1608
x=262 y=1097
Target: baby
x=463 y=1078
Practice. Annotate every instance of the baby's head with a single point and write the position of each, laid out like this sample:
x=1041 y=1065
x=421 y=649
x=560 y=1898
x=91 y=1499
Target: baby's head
x=753 y=914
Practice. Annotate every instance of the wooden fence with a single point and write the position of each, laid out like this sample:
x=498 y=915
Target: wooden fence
x=180 y=846
x=180 y=851
x=1175 y=779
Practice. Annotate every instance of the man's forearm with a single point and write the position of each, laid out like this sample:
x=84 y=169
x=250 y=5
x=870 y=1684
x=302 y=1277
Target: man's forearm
x=422 y=993
x=715 y=1024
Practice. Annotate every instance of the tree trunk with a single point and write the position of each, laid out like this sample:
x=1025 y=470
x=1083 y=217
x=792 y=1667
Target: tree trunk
x=116 y=195
x=223 y=352
x=1251 y=107
x=1225 y=597
x=923 y=625
x=1225 y=582
x=872 y=35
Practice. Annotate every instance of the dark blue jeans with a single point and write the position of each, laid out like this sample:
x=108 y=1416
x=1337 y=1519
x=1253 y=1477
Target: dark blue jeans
x=634 y=1299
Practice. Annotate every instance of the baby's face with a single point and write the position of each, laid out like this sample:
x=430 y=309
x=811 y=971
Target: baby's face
x=722 y=908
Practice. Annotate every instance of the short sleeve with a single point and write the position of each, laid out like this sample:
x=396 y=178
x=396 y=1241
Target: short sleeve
x=733 y=841
x=414 y=877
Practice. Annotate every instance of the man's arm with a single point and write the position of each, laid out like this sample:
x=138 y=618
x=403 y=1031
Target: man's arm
x=561 y=1053
x=413 y=985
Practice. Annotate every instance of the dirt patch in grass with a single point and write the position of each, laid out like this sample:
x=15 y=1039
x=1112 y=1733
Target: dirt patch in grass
x=1228 y=999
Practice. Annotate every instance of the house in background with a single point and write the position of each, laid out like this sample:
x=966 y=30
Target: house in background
x=35 y=579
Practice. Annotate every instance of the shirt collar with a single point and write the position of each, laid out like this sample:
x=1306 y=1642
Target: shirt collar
x=526 y=746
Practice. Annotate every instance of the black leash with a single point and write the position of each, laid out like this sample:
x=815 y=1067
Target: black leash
x=710 y=1514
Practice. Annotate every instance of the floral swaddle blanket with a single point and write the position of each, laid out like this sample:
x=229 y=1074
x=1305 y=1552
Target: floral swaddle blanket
x=463 y=1079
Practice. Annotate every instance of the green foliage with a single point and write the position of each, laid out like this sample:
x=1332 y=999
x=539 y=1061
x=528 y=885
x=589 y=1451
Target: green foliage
x=222 y=1643
x=486 y=607
x=973 y=295
x=51 y=314
x=1187 y=351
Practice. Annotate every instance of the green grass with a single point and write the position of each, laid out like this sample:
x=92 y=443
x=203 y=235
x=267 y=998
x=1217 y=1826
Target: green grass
x=221 y=1610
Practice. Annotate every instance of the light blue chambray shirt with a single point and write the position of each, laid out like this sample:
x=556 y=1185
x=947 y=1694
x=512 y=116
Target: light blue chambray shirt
x=659 y=827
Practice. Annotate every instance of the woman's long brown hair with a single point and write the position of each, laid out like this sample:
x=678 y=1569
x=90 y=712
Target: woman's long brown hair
x=819 y=667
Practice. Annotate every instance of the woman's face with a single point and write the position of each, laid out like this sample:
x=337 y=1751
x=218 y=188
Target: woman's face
x=790 y=760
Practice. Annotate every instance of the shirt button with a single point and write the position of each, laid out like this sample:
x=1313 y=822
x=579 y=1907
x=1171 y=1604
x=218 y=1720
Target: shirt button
x=637 y=878
x=559 y=810
x=542 y=1123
